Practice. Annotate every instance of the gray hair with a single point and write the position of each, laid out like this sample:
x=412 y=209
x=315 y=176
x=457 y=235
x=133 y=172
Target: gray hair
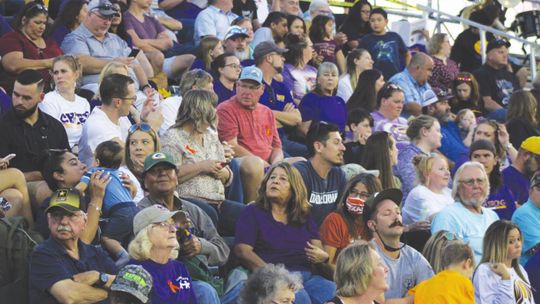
x=265 y=282
x=457 y=177
x=418 y=59
x=139 y=248
x=318 y=4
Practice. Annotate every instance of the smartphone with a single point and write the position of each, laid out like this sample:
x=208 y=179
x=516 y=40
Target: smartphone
x=134 y=52
x=4 y=204
x=9 y=157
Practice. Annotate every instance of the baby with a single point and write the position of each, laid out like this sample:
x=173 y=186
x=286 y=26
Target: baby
x=466 y=122
x=118 y=206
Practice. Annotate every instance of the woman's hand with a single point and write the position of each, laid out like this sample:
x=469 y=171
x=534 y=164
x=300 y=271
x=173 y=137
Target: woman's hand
x=228 y=150
x=128 y=184
x=98 y=182
x=504 y=137
x=315 y=254
x=210 y=166
x=500 y=269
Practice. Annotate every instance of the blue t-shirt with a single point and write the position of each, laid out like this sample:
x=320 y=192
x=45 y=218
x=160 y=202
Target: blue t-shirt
x=50 y=263
x=517 y=183
x=501 y=201
x=322 y=193
x=115 y=192
x=387 y=51
x=331 y=109
x=273 y=241
x=222 y=92
x=171 y=282
x=527 y=217
x=451 y=144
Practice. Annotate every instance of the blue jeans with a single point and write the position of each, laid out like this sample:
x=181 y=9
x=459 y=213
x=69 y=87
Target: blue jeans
x=292 y=148
x=205 y=293
x=317 y=290
x=225 y=218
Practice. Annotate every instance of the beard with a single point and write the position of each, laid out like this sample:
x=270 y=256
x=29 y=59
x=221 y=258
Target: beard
x=23 y=114
x=472 y=202
x=530 y=167
x=242 y=55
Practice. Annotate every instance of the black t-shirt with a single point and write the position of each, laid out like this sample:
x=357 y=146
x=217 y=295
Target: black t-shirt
x=466 y=50
x=499 y=84
x=354 y=153
x=246 y=10
x=16 y=136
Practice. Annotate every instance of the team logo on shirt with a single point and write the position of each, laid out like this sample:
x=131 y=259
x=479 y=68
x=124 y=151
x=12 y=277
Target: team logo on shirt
x=183 y=284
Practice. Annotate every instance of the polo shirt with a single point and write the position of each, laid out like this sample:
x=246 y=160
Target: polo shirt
x=50 y=263
x=413 y=91
x=82 y=41
x=255 y=129
x=212 y=21
x=27 y=141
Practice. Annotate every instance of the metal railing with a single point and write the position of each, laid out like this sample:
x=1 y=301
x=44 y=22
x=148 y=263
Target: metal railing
x=483 y=29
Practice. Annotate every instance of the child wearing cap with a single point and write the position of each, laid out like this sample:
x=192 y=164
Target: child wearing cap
x=118 y=206
x=131 y=285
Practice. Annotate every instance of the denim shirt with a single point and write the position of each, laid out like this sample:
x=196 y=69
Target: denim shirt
x=212 y=21
x=413 y=91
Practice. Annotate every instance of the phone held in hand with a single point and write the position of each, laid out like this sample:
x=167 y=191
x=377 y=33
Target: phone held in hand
x=134 y=52
x=4 y=204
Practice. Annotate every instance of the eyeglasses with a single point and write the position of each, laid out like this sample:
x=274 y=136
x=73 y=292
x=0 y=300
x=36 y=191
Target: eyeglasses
x=470 y=182
x=132 y=99
x=141 y=126
x=169 y=226
x=248 y=87
x=363 y=195
x=233 y=65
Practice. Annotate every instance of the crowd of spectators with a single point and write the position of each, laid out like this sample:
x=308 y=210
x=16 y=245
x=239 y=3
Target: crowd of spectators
x=244 y=152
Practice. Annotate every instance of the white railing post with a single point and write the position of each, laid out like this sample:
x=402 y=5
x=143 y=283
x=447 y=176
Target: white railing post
x=483 y=45
x=532 y=58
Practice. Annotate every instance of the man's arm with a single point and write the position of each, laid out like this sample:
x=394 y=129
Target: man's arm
x=169 y=4
x=289 y=116
x=69 y=291
x=33 y=176
x=276 y=156
x=490 y=104
x=239 y=151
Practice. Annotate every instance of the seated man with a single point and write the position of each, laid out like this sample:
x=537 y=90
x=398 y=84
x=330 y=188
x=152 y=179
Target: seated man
x=63 y=268
x=250 y=128
x=413 y=81
x=96 y=47
x=528 y=220
x=235 y=42
x=151 y=37
x=495 y=81
x=214 y=20
x=527 y=162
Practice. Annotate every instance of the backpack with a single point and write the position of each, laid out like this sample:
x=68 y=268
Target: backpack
x=16 y=245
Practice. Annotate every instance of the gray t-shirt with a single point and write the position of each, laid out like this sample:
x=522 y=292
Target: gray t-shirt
x=405 y=272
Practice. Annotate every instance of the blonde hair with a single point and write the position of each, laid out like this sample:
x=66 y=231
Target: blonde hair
x=354 y=268
x=140 y=247
x=110 y=69
x=423 y=165
x=197 y=108
x=461 y=114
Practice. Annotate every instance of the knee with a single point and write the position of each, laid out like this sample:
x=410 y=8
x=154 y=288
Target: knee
x=252 y=166
x=13 y=196
x=14 y=175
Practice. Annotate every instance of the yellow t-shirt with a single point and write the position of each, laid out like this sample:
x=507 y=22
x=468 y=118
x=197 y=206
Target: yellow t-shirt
x=447 y=287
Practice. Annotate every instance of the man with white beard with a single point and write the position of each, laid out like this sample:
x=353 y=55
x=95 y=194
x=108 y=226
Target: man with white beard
x=466 y=218
x=235 y=42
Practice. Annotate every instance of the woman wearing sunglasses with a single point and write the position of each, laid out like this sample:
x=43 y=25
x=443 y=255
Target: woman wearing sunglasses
x=25 y=48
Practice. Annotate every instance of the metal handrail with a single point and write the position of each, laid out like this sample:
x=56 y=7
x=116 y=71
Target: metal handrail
x=483 y=29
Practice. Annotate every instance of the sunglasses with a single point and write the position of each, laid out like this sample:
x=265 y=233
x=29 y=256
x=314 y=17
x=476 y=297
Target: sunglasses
x=450 y=236
x=36 y=8
x=144 y=127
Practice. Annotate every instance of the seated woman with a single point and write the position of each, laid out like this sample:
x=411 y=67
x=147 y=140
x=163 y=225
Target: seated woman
x=360 y=275
x=209 y=48
x=431 y=194
x=298 y=75
x=226 y=68
x=383 y=160
x=70 y=17
x=25 y=48
x=346 y=225
x=356 y=25
x=499 y=277
x=13 y=189
x=445 y=70
x=155 y=248
x=203 y=167
x=500 y=199
x=322 y=104
x=466 y=90
x=358 y=61
x=279 y=229
x=296 y=25
x=364 y=95
x=521 y=117
x=271 y=284
x=63 y=104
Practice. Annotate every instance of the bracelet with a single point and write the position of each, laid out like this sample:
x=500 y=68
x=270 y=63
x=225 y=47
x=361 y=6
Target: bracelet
x=146 y=86
x=509 y=146
x=95 y=207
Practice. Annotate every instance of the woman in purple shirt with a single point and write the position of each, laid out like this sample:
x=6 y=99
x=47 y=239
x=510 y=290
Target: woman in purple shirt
x=279 y=229
x=322 y=104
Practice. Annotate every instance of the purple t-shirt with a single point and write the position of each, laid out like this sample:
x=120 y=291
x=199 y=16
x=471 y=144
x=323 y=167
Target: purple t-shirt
x=273 y=241
x=331 y=109
x=148 y=29
x=171 y=282
x=518 y=184
x=501 y=201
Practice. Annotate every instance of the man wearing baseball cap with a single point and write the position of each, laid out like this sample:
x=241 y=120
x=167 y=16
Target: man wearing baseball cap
x=527 y=217
x=495 y=81
x=518 y=174
x=235 y=42
x=406 y=266
x=63 y=268
x=250 y=128
x=277 y=96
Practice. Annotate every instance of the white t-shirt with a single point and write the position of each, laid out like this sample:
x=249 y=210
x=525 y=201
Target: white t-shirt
x=140 y=192
x=490 y=288
x=72 y=114
x=422 y=203
x=344 y=88
x=169 y=109
x=100 y=128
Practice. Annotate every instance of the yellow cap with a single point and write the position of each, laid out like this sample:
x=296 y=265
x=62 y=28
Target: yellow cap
x=67 y=199
x=531 y=144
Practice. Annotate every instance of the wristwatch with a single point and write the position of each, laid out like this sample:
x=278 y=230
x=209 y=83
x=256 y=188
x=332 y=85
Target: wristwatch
x=103 y=279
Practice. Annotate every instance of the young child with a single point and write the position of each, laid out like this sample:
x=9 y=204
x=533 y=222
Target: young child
x=118 y=206
x=360 y=123
x=466 y=122
x=321 y=34
x=386 y=48
x=453 y=284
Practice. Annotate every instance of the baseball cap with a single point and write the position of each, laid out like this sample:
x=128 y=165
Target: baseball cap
x=104 y=7
x=265 y=48
x=351 y=170
x=135 y=280
x=235 y=31
x=535 y=180
x=252 y=73
x=497 y=43
x=157 y=158
x=429 y=97
x=151 y=215
x=531 y=144
x=67 y=199
x=371 y=203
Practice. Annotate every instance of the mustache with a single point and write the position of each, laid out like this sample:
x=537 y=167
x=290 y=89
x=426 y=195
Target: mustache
x=396 y=223
x=63 y=228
